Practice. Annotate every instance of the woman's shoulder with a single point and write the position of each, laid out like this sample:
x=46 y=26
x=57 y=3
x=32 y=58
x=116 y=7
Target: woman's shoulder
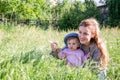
x=94 y=48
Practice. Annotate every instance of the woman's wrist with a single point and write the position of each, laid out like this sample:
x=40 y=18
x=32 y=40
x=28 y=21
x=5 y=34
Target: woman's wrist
x=57 y=50
x=54 y=51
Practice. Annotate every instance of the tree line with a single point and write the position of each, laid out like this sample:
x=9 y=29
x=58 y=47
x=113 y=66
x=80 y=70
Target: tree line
x=64 y=15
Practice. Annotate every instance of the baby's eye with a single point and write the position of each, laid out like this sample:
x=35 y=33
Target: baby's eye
x=85 y=33
x=69 y=43
x=79 y=32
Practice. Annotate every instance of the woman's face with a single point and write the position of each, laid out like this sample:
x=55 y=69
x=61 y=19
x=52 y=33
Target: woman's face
x=85 y=35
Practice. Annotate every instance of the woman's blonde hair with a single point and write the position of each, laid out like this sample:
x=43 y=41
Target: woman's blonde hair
x=93 y=25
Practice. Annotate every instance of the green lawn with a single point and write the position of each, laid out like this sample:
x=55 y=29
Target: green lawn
x=24 y=55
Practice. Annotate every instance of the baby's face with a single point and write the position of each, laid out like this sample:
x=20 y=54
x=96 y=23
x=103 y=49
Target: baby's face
x=73 y=44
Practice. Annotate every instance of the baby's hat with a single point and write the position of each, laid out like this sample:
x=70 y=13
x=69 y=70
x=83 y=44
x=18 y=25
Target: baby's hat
x=72 y=34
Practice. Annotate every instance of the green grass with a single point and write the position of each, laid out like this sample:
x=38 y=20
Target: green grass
x=24 y=55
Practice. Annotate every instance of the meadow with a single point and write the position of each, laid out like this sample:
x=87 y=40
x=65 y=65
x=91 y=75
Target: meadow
x=25 y=55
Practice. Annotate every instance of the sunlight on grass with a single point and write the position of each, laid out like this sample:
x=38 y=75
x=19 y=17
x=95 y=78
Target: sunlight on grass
x=25 y=55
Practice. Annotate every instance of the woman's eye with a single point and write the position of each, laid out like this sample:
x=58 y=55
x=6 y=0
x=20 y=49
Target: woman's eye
x=73 y=43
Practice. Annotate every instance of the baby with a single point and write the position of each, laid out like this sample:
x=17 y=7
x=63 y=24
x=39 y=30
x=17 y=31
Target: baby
x=72 y=52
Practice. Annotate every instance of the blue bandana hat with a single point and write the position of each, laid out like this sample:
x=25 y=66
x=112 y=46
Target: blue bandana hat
x=72 y=34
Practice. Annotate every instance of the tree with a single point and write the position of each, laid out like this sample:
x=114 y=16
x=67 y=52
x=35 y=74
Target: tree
x=114 y=12
x=15 y=10
x=74 y=12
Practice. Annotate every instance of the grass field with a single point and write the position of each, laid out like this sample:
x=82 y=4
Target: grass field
x=24 y=55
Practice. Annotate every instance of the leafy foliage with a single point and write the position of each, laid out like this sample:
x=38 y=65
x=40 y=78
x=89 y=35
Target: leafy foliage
x=65 y=15
x=75 y=12
x=114 y=12
x=25 y=55
x=24 y=9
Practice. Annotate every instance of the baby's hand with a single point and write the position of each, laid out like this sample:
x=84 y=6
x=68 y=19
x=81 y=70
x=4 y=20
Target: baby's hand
x=53 y=45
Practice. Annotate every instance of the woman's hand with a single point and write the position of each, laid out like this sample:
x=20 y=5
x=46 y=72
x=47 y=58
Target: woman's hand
x=88 y=55
x=58 y=50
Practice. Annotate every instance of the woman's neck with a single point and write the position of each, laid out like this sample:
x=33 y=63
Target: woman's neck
x=87 y=44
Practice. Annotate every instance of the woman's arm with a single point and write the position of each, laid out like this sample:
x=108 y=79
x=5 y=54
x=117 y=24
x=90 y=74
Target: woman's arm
x=55 y=53
x=96 y=55
x=95 y=60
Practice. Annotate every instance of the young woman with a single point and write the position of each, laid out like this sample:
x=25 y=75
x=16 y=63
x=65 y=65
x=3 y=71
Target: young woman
x=92 y=45
x=89 y=36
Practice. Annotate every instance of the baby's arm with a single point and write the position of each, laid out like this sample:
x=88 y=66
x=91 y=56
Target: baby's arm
x=55 y=49
x=61 y=55
x=54 y=45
